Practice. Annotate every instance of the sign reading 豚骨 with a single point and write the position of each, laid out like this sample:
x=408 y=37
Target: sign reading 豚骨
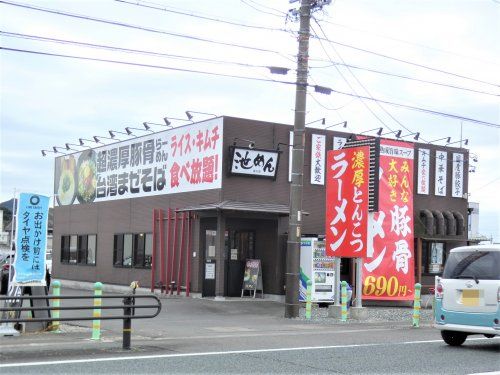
x=388 y=269
x=183 y=159
x=347 y=202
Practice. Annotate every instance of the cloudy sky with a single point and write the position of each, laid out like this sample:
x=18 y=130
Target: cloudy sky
x=402 y=52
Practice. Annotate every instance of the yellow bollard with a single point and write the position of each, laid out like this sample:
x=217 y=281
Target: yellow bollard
x=343 y=297
x=308 y=300
x=416 y=306
x=56 y=303
x=96 y=323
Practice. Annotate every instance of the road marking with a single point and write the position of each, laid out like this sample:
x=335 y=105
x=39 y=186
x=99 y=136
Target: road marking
x=253 y=351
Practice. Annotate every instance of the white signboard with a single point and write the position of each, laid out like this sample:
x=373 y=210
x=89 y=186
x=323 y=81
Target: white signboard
x=339 y=142
x=252 y=162
x=423 y=171
x=318 y=145
x=440 y=180
x=210 y=271
x=457 y=190
x=183 y=159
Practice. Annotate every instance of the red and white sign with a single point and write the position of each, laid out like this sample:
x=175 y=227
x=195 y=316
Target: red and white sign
x=183 y=159
x=347 y=202
x=388 y=269
x=318 y=159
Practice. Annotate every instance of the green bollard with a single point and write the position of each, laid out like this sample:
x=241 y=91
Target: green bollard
x=96 y=323
x=343 y=297
x=56 y=303
x=416 y=306
x=308 y=300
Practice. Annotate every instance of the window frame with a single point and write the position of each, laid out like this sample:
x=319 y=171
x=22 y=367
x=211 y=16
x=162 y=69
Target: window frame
x=140 y=253
x=74 y=249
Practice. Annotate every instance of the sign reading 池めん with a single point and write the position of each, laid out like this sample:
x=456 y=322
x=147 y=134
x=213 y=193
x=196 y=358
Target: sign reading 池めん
x=388 y=269
x=183 y=159
x=31 y=239
x=347 y=202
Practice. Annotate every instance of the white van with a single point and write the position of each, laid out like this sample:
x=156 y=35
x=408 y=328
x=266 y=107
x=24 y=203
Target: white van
x=468 y=294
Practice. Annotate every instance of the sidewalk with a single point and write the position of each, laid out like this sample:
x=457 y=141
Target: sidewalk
x=184 y=320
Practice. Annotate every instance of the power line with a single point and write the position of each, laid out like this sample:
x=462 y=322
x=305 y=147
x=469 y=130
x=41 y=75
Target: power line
x=166 y=9
x=146 y=65
x=418 y=109
x=137 y=27
x=158 y=31
x=405 y=77
x=407 y=62
x=127 y=50
x=424 y=110
x=351 y=87
x=408 y=42
x=280 y=13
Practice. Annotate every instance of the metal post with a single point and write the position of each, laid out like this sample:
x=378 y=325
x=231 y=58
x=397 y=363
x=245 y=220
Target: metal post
x=189 y=254
x=174 y=251
x=56 y=303
x=295 y=218
x=308 y=299
x=96 y=323
x=336 y=285
x=416 y=306
x=181 y=253
x=153 y=255
x=127 y=322
x=162 y=250
x=344 y=301
x=359 y=282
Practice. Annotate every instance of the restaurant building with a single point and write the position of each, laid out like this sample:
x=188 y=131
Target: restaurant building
x=181 y=210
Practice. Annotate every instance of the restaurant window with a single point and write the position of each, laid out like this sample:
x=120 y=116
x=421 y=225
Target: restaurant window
x=133 y=250
x=79 y=249
x=433 y=258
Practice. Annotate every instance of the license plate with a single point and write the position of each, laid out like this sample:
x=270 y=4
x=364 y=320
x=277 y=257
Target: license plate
x=470 y=297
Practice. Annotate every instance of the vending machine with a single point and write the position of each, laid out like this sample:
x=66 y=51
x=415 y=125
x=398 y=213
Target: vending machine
x=317 y=267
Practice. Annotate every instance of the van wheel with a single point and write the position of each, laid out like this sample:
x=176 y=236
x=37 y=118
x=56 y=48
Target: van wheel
x=453 y=338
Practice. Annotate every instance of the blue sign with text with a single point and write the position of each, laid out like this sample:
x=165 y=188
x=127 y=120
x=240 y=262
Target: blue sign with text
x=31 y=239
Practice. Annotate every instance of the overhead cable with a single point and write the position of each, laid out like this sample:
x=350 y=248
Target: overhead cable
x=425 y=110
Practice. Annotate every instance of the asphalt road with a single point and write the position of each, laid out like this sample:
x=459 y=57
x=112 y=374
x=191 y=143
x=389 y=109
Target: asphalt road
x=247 y=336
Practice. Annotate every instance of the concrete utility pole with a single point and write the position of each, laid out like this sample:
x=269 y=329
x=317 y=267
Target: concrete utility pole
x=294 y=227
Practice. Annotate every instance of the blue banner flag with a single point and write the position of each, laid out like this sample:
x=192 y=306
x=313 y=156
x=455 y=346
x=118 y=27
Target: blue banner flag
x=31 y=239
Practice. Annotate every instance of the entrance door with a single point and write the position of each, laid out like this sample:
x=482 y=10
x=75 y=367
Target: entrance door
x=240 y=247
x=209 y=266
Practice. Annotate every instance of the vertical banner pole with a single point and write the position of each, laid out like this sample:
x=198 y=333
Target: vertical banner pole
x=153 y=256
x=336 y=285
x=344 y=301
x=56 y=303
x=174 y=250
x=308 y=299
x=162 y=249
x=416 y=306
x=169 y=252
x=96 y=323
x=181 y=254
x=359 y=282
x=189 y=254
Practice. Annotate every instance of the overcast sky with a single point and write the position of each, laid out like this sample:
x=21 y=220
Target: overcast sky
x=47 y=101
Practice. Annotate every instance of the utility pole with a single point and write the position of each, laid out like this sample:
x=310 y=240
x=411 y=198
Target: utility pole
x=294 y=226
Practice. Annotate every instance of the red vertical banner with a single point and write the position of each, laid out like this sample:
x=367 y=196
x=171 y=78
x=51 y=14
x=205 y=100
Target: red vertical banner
x=347 y=202
x=389 y=266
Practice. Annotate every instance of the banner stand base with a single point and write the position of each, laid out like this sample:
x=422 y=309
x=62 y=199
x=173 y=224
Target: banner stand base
x=335 y=311
x=358 y=313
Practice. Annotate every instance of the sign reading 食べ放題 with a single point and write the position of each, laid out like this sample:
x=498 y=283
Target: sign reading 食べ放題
x=31 y=239
x=183 y=159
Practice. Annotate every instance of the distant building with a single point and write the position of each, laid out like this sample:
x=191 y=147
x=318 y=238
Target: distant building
x=474 y=236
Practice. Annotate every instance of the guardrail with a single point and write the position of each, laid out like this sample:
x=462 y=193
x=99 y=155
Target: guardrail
x=129 y=308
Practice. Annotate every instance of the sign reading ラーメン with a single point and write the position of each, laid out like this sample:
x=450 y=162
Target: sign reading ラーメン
x=188 y=158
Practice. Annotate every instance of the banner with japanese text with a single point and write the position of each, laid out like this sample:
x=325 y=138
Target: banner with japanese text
x=388 y=269
x=31 y=239
x=318 y=149
x=183 y=159
x=347 y=202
